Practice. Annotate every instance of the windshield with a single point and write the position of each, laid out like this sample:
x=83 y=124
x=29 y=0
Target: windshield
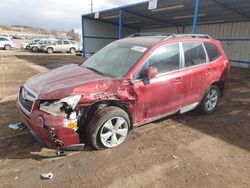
x=115 y=60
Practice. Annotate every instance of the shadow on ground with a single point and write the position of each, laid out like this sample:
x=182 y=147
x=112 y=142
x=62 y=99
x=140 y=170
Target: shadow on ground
x=231 y=120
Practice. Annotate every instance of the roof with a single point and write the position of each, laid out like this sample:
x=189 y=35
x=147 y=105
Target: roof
x=146 y=41
x=177 y=13
x=150 y=40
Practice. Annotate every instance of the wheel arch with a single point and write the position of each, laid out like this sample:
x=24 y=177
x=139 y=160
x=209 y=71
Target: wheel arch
x=50 y=47
x=7 y=45
x=220 y=85
x=102 y=104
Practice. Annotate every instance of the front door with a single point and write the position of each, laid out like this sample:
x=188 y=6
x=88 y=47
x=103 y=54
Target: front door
x=58 y=46
x=160 y=95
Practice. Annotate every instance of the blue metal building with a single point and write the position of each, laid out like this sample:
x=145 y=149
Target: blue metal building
x=226 y=20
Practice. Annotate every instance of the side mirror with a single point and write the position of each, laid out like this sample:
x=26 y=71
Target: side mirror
x=151 y=72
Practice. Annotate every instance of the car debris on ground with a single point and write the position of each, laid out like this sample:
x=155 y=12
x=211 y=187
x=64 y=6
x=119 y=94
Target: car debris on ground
x=45 y=176
x=17 y=126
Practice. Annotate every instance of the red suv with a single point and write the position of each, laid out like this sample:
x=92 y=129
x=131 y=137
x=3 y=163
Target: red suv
x=128 y=83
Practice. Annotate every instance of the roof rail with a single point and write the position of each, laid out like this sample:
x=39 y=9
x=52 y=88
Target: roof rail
x=147 y=34
x=168 y=35
x=193 y=35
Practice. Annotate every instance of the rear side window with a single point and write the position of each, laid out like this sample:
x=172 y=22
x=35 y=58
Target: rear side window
x=66 y=42
x=166 y=58
x=212 y=51
x=59 y=42
x=194 y=53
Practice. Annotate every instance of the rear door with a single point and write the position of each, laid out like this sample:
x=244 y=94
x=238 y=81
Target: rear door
x=66 y=45
x=193 y=73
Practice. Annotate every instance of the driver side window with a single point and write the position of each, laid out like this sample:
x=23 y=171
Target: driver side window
x=166 y=58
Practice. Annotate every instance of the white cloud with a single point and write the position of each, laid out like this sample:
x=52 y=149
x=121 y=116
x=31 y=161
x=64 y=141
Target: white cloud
x=50 y=14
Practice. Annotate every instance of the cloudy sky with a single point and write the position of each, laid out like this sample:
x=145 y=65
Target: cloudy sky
x=52 y=14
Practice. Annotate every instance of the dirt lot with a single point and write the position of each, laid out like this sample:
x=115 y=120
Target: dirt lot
x=187 y=150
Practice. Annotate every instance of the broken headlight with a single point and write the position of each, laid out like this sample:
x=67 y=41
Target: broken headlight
x=62 y=106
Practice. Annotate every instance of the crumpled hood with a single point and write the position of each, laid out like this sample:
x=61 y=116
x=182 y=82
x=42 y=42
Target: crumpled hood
x=67 y=80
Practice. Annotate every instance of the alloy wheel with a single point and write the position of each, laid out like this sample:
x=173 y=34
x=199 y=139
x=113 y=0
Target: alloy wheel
x=114 y=132
x=211 y=99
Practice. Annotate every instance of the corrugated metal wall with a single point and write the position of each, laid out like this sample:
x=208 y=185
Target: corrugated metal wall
x=235 y=38
x=98 y=34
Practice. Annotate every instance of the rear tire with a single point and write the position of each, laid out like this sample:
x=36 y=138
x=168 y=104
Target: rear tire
x=7 y=47
x=210 y=100
x=72 y=50
x=108 y=128
x=50 y=50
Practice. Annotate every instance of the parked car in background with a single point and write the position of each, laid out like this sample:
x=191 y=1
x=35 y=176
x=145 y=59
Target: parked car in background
x=25 y=45
x=18 y=37
x=62 y=46
x=128 y=83
x=5 y=35
x=35 y=47
x=6 y=43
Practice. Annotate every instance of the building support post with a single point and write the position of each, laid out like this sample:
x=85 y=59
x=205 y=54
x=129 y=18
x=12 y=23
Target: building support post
x=83 y=38
x=120 y=23
x=196 y=14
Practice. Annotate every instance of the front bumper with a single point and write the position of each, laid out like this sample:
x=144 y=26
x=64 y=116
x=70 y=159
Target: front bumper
x=48 y=129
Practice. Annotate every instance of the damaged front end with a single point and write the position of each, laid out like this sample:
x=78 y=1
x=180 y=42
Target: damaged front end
x=64 y=107
x=53 y=122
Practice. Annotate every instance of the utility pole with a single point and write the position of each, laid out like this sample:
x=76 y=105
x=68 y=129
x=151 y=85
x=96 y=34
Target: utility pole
x=91 y=6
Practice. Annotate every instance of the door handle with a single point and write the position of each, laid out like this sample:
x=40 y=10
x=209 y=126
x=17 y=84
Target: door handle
x=178 y=80
x=208 y=70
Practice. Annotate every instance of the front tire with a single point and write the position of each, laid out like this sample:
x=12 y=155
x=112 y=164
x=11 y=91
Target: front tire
x=34 y=49
x=7 y=47
x=50 y=50
x=210 y=100
x=108 y=128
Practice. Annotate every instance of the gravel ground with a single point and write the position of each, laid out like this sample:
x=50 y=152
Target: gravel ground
x=188 y=150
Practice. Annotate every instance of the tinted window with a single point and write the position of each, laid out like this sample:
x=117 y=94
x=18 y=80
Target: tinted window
x=66 y=42
x=194 y=53
x=3 y=39
x=166 y=58
x=59 y=42
x=212 y=51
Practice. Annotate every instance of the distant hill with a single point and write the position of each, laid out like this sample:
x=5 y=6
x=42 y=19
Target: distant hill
x=22 y=28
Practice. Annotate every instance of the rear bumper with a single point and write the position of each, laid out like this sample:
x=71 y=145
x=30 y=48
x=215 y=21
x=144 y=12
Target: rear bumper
x=48 y=129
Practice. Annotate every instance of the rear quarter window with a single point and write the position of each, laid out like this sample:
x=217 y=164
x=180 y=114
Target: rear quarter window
x=212 y=51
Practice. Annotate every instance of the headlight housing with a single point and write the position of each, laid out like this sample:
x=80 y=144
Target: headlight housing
x=61 y=106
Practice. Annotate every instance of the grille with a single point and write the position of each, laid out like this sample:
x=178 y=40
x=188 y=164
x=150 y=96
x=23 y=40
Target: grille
x=26 y=99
